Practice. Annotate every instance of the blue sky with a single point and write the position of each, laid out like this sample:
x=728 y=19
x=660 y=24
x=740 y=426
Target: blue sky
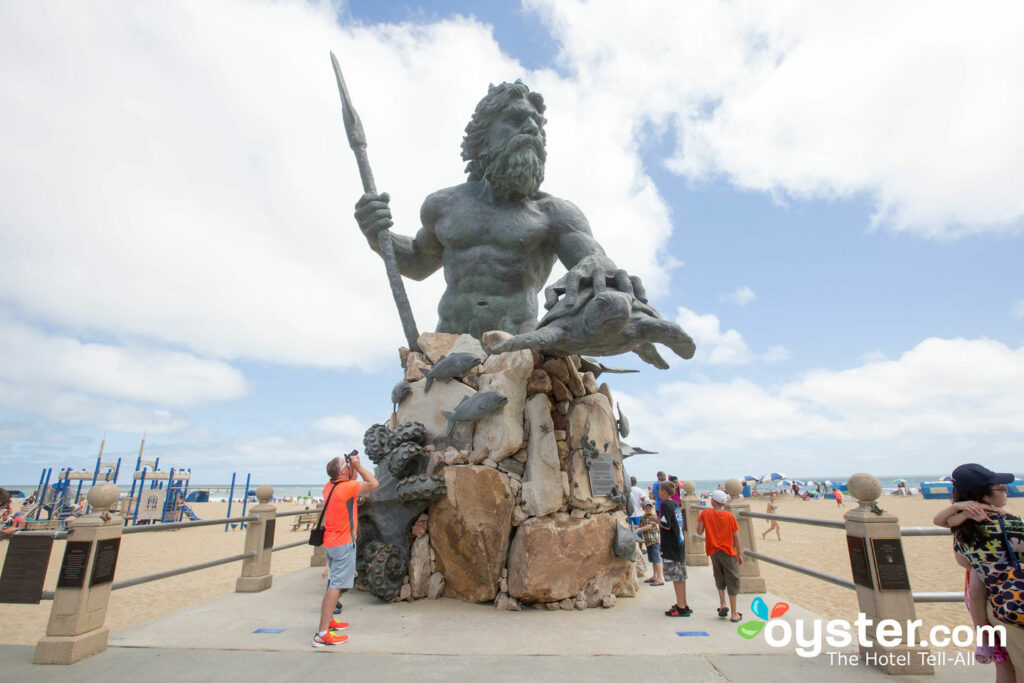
x=825 y=196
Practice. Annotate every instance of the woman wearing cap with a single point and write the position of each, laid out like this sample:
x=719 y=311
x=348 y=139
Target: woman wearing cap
x=987 y=540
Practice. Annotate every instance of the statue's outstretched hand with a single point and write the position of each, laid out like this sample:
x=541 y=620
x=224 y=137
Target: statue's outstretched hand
x=373 y=214
x=599 y=272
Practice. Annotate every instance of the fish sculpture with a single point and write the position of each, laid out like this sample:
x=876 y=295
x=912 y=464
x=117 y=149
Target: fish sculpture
x=473 y=408
x=449 y=367
x=597 y=367
x=622 y=422
x=399 y=393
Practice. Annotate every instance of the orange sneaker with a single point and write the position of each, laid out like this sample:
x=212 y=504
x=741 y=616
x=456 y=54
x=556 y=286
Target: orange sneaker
x=336 y=625
x=328 y=639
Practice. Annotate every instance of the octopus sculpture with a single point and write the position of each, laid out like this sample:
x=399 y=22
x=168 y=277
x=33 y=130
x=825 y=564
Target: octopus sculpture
x=386 y=515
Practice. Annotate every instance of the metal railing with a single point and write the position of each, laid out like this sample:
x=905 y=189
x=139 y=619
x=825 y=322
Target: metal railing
x=57 y=534
x=922 y=596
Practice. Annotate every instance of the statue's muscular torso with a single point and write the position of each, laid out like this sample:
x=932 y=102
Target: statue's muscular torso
x=497 y=254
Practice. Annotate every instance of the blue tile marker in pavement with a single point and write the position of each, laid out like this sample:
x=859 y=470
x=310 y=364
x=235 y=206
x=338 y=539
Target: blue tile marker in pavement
x=692 y=633
x=269 y=630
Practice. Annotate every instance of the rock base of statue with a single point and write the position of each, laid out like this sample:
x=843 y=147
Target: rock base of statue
x=518 y=522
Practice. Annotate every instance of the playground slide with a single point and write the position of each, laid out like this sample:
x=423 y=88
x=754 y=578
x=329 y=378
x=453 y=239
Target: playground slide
x=192 y=516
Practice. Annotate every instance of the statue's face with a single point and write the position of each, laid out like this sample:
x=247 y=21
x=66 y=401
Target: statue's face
x=514 y=160
x=518 y=125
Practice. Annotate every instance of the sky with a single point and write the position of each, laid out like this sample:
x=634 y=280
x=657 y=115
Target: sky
x=825 y=195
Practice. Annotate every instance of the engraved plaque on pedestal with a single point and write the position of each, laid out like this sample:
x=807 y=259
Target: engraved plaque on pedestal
x=268 y=535
x=72 y=568
x=859 y=561
x=25 y=569
x=602 y=474
x=105 y=562
x=890 y=566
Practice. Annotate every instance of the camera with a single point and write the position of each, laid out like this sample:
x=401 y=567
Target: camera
x=348 y=457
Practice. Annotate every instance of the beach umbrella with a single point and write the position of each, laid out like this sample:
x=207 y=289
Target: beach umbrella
x=752 y=478
x=947 y=478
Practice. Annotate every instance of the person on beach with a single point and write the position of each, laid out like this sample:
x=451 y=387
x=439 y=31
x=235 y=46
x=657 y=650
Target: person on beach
x=987 y=539
x=771 y=509
x=839 y=497
x=636 y=494
x=720 y=530
x=341 y=517
x=654 y=492
x=676 y=497
x=10 y=522
x=650 y=534
x=672 y=557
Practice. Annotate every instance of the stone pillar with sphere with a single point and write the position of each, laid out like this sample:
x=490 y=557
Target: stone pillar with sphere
x=751 y=580
x=882 y=583
x=75 y=630
x=259 y=538
x=694 y=547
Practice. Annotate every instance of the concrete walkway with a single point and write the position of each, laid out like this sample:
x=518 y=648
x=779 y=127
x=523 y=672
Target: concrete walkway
x=452 y=641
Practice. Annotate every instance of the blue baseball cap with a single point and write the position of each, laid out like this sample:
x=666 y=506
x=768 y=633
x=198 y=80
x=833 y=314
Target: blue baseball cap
x=973 y=476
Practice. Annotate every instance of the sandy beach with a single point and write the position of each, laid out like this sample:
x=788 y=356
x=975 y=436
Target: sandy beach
x=930 y=562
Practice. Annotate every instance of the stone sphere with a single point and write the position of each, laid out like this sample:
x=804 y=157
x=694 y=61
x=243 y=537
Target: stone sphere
x=264 y=493
x=103 y=496
x=734 y=487
x=689 y=487
x=864 y=486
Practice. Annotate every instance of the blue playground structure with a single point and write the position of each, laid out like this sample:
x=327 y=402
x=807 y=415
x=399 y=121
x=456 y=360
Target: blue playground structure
x=163 y=501
x=60 y=499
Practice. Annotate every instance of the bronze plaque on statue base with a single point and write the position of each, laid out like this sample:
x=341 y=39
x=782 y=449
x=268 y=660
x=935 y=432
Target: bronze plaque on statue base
x=602 y=474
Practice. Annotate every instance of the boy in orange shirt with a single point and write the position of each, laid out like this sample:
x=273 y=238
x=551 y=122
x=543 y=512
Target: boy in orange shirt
x=721 y=543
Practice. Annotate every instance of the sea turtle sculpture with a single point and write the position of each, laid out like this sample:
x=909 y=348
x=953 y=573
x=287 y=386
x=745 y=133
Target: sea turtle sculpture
x=604 y=323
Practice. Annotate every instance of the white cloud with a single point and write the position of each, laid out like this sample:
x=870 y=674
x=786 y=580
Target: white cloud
x=950 y=398
x=741 y=296
x=1017 y=310
x=33 y=359
x=915 y=105
x=192 y=184
x=713 y=345
x=342 y=425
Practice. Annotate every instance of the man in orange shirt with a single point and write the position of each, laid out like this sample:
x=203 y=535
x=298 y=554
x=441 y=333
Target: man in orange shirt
x=721 y=541
x=341 y=519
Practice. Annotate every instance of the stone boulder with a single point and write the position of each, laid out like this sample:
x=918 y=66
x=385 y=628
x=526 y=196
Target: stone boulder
x=554 y=558
x=469 y=530
x=427 y=408
x=591 y=416
x=542 y=478
x=433 y=345
x=500 y=434
x=419 y=567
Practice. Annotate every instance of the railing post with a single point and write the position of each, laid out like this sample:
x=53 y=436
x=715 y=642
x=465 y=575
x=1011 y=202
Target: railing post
x=259 y=538
x=882 y=581
x=318 y=558
x=751 y=580
x=75 y=630
x=694 y=546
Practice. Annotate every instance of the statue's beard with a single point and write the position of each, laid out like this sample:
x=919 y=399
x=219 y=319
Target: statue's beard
x=517 y=170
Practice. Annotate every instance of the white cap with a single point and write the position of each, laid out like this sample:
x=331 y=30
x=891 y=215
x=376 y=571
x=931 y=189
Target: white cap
x=720 y=497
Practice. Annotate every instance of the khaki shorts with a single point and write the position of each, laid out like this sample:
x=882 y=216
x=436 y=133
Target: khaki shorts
x=727 y=572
